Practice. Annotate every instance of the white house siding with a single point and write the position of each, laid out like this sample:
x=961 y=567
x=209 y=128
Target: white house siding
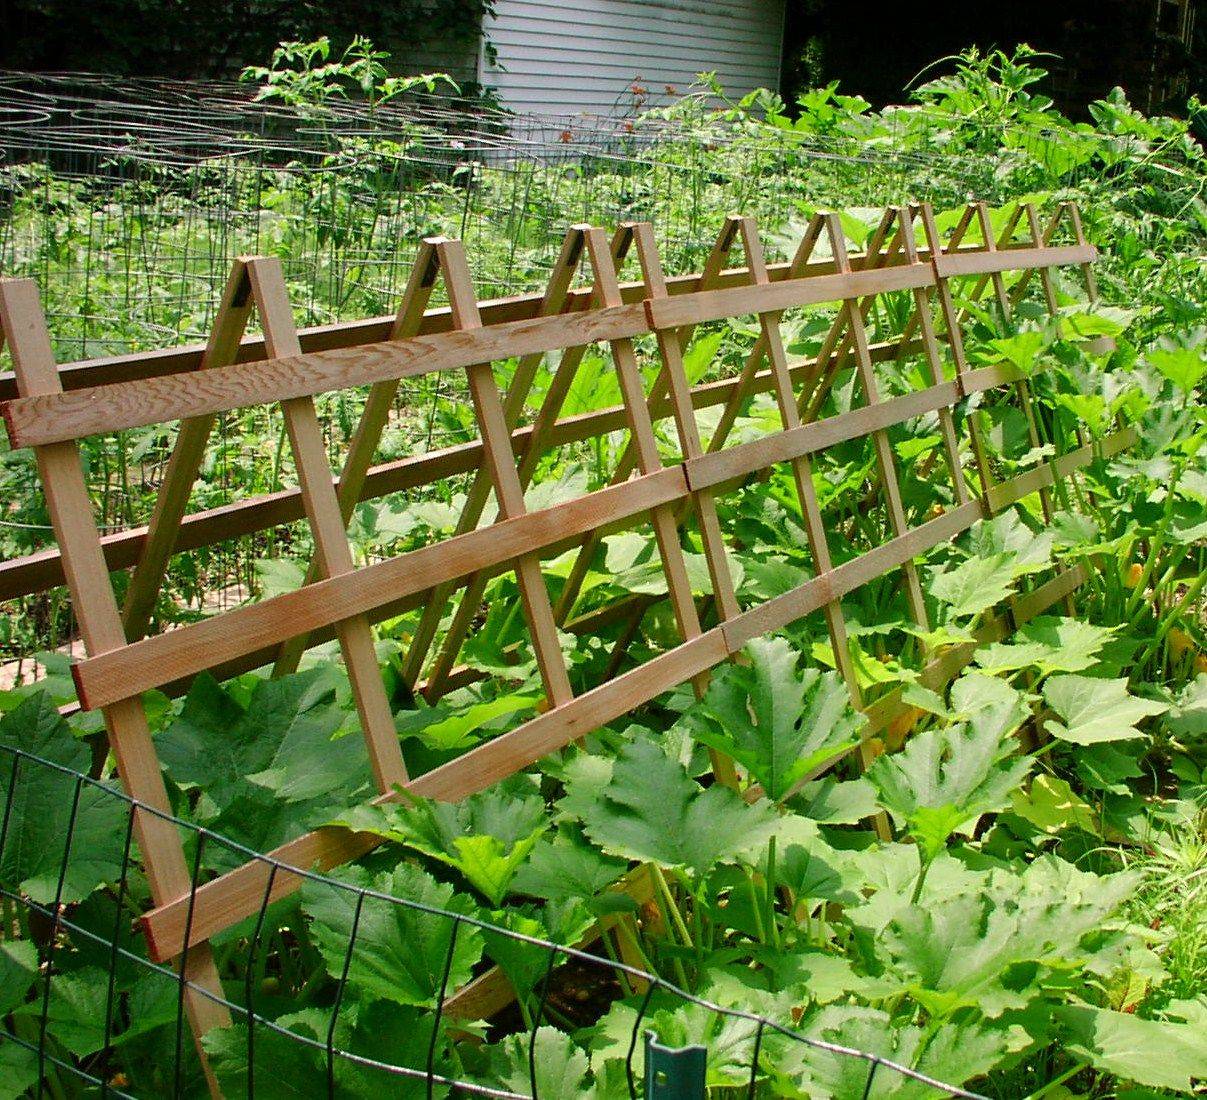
x=584 y=56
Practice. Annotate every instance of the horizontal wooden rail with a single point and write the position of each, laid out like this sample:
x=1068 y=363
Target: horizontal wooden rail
x=43 y=570
x=237 y=894
x=133 y=669
x=713 y=305
x=61 y=417
x=1012 y=259
x=141 y=365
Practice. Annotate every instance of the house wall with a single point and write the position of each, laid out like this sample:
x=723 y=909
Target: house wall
x=584 y=56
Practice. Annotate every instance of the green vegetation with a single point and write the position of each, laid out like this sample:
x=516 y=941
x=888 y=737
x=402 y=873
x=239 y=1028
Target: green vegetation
x=1038 y=926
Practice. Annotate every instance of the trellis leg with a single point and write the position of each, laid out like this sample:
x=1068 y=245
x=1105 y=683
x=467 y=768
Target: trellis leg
x=184 y=464
x=543 y=423
x=500 y=461
x=802 y=470
x=955 y=341
x=649 y=461
x=1087 y=269
x=628 y=459
x=1020 y=387
x=835 y=354
x=750 y=368
x=513 y=405
x=332 y=553
x=670 y=349
x=373 y=420
x=934 y=361
x=71 y=513
x=880 y=441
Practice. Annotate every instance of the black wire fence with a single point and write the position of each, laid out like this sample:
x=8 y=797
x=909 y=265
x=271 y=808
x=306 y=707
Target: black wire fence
x=86 y=1012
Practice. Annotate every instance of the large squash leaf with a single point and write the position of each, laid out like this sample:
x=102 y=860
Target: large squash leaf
x=1156 y=1053
x=399 y=952
x=945 y=779
x=282 y=740
x=1094 y=710
x=778 y=721
x=487 y=837
x=652 y=811
x=39 y=810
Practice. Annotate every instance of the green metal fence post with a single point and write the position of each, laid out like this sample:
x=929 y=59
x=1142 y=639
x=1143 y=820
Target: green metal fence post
x=674 y=1074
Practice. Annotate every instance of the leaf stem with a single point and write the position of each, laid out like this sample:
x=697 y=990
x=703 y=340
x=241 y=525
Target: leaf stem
x=672 y=908
x=923 y=868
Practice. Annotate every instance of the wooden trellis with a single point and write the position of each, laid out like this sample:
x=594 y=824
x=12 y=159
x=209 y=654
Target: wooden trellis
x=50 y=408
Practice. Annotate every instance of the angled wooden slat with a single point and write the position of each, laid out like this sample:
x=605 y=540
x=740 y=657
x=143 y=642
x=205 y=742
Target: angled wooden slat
x=552 y=302
x=542 y=426
x=923 y=317
x=710 y=273
x=1005 y=308
x=955 y=340
x=373 y=419
x=332 y=554
x=187 y=454
x=670 y=349
x=492 y=426
x=880 y=251
x=641 y=430
x=59 y=468
x=885 y=460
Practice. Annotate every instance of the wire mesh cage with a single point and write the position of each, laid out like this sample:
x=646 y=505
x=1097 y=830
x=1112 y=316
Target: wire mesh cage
x=128 y=200
x=86 y=1010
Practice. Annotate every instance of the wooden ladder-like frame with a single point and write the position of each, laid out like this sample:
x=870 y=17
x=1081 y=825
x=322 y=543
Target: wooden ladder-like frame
x=337 y=599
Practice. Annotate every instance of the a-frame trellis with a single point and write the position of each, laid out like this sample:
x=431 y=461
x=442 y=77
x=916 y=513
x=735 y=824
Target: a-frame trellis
x=339 y=600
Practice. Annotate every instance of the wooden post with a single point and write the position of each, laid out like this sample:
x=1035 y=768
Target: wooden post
x=24 y=326
x=332 y=554
x=552 y=301
x=884 y=451
x=185 y=462
x=372 y=424
x=496 y=444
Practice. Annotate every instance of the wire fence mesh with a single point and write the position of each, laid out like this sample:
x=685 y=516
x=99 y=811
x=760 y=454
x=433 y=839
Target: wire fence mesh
x=85 y=1008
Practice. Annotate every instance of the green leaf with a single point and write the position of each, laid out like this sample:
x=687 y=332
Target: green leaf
x=944 y=779
x=975 y=585
x=1151 y=1052
x=400 y=951
x=1049 y=644
x=18 y=968
x=810 y=867
x=288 y=1069
x=445 y=730
x=1184 y=367
x=283 y=740
x=486 y=837
x=652 y=811
x=836 y=802
x=958 y=951
x=525 y=963
x=1052 y=806
x=561 y=1066
x=955 y=1054
x=1095 y=710
x=566 y=867
x=39 y=810
x=1022 y=349
x=778 y=721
